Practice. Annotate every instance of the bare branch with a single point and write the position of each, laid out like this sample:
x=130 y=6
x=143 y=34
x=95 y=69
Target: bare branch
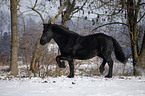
x=141 y=18
x=39 y=15
x=141 y=4
x=118 y=5
x=137 y=10
x=58 y=13
x=108 y=24
x=79 y=8
x=38 y=12
x=106 y=3
x=21 y=13
x=35 y=4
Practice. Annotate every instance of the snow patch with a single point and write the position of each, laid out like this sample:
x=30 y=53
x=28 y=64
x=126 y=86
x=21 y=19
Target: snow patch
x=78 y=86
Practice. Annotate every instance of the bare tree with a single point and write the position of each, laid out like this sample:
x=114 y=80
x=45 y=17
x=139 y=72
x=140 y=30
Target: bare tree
x=14 y=41
x=132 y=17
x=133 y=14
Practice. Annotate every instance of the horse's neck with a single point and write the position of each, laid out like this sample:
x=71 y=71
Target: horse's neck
x=59 y=38
x=62 y=38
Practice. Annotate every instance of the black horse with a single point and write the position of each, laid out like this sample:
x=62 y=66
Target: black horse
x=74 y=46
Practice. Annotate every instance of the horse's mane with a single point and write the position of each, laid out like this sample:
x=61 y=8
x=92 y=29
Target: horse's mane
x=65 y=29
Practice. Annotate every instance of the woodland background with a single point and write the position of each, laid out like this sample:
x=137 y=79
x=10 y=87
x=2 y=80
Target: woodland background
x=21 y=25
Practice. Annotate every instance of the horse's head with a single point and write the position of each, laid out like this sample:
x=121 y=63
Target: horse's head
x=47 y=34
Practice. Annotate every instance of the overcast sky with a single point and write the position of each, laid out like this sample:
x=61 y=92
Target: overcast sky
x=52 y=9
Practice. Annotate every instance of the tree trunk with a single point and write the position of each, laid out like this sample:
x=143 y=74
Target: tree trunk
x=66 y=14
x=141 y=58
x=14 y=45
x=132 y=12
x=34 y=67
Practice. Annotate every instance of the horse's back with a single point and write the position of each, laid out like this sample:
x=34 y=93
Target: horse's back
x=103 y=42
x=95 y=40
x=92 y=45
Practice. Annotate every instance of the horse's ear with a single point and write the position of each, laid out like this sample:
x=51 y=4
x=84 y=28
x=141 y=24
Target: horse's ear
x=44 y=24
x=49 y=21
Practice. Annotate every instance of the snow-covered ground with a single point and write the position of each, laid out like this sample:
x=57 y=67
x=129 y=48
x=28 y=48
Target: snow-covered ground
x=80 y=85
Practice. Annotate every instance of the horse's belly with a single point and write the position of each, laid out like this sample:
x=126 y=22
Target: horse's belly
x=85 y=54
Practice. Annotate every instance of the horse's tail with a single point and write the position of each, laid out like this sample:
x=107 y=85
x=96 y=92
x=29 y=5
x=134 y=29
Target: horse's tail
x=118 y=51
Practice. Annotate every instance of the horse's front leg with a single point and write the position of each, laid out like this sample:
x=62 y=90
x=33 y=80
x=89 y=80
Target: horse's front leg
x=71 y=66
x=60 y=64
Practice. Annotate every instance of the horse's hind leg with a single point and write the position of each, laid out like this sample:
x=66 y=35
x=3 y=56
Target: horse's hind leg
x=101 y=68
x=110 y=63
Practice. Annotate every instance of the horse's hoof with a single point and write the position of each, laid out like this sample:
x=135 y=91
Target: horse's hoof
x=108 y=76
x=70 y=76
